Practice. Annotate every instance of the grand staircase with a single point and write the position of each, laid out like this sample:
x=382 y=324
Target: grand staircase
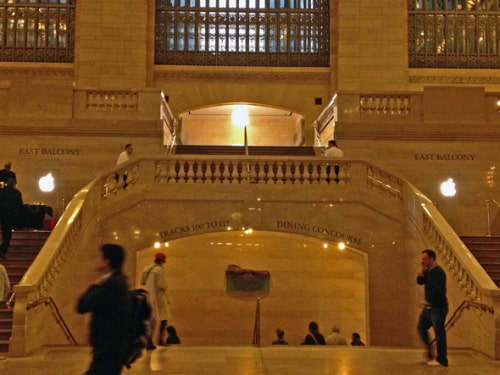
x=24 y=247
x=487 y=252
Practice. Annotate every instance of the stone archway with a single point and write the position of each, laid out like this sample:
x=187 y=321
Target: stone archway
x=268 y=126
x=310 y=280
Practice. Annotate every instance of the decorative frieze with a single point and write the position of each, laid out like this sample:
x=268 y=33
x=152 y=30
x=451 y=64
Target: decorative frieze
x=247 y=75
x=491 y=80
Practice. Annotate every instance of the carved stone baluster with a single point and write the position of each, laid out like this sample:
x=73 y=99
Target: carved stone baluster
x=222 y=168
x=239 y=170
x=195 y=170
x=292 y=172
x=177 y=169
x=310 y=170
x=230 y=169
x=257 y=171
x=275 y=172
x=266 y=172
x=213 y=168
x=336 y=169
x=284 y=168
x=319 y=169
x=301 y=172
x=203 y=171
x=186 y=171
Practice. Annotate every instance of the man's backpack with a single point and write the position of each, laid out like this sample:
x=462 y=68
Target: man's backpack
x=137 y=339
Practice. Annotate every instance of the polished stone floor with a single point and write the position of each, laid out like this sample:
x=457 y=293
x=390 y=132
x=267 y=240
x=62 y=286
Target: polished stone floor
x=293 y=360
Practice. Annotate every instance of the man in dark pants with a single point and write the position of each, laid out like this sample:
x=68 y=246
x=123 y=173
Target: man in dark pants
x=434 y=308
x=109 y=302
x=11 y=209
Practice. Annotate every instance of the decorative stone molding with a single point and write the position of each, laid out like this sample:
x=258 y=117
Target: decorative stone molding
x=36 y=70
x=377 y=134
x=463 y=79
x=249 y=75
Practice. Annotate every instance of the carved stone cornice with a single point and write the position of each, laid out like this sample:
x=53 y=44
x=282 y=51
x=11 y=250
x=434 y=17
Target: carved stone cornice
x=24 y=70
x=79 y=132
x=417 y=136
x=462 y=79
x=257 y=74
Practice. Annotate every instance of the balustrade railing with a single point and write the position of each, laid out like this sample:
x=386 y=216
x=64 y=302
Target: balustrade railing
x=49 y=301
x=324 y=122
x=457 y=262
x=385 y=104
x=465 y=305
x=169 y=125
x=112 y=100
x=244 y=171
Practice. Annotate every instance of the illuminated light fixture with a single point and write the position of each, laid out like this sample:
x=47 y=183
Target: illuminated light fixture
x=157 y=245
x=46 y=183
x=249 y=230
x=341 y=245
x=325 y=246
x=448 y=188
x=239 y=117
x=167 y=244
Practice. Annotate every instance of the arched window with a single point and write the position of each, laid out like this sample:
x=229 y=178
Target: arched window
x=454 y=34
x=242 y=32
x=37 y=30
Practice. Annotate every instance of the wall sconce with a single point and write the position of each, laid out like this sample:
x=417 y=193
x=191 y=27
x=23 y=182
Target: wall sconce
x=448 y=188
x=46 y=183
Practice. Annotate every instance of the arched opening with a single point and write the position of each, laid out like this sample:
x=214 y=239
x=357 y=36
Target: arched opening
x=311 y=280
x=267 y=126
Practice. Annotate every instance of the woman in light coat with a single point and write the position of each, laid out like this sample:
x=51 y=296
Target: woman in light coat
x=155 y=282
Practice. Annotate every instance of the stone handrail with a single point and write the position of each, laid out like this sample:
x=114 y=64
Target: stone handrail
x=326 y=117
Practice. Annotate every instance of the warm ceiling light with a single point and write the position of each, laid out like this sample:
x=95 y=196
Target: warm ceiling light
x=240 y=116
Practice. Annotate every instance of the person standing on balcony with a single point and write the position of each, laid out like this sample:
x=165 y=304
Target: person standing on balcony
x=125 y=154
x=11 y=210
x=434 y=308
x=123 y=158
x=333 y=150
x=108 y=300
x=154 y=279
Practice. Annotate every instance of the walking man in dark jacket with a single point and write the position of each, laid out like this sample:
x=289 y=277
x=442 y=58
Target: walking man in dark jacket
x=434 y=308
x=109 y=302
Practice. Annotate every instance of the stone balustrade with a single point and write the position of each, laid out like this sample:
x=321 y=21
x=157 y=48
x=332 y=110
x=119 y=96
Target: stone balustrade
x=112 y=100
x=245 y=171
x=385 y=104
